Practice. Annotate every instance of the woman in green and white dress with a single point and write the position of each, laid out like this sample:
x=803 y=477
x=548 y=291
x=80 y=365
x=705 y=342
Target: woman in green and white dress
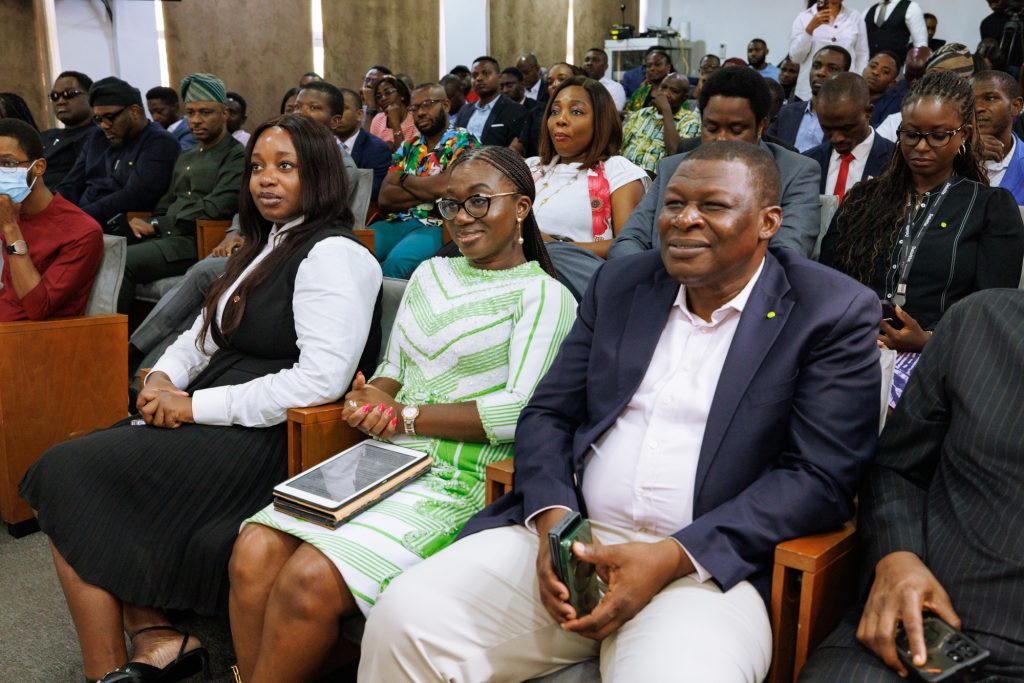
x=472 y=338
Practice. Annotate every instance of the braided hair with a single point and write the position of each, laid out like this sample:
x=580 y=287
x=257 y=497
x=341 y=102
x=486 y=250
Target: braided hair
x=511 y=165
x=870 y=216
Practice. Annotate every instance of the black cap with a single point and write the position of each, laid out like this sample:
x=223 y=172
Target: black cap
x=112 y=91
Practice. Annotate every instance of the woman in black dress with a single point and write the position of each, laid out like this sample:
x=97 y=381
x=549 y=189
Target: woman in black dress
x=929 y=230
x=142 y=516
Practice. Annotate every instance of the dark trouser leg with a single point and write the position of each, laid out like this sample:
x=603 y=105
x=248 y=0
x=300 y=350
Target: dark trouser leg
x=841 y=658
x=146 y=263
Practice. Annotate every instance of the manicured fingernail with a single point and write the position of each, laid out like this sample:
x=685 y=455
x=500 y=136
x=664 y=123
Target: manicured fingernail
x=366 y=408
x=394 y=421
x=390 y=411
x=380 y=407
x=359 y=373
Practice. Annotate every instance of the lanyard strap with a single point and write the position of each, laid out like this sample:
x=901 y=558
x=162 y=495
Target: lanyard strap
x=912 y=240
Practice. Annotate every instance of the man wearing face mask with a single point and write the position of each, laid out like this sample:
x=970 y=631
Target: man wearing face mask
x=51 y=249
x=127 y=162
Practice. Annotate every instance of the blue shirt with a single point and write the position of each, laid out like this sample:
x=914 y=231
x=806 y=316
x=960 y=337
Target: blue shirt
x=476 y=122
x=769 y=71
x=810 y=134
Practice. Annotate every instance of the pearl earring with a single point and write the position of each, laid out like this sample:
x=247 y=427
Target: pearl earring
x=519 y=228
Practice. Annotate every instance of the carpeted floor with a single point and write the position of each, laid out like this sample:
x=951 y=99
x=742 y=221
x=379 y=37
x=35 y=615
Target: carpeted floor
x=37 y=639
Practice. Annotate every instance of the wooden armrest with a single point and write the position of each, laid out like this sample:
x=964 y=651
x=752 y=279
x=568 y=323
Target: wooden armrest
x=499 y=480
x=367 y=237
x=317 y=433
x=209 y=234
x=811 y=553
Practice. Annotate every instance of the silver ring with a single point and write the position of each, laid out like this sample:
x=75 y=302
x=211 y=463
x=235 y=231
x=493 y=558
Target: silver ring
x=353 y=404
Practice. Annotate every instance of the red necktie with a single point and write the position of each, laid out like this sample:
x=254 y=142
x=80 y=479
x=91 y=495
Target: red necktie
x=844 y=171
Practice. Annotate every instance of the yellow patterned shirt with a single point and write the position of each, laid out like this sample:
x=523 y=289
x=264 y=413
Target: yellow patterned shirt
x=643 y=137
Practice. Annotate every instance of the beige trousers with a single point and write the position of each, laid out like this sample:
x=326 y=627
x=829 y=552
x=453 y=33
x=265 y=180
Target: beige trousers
x=472 y=613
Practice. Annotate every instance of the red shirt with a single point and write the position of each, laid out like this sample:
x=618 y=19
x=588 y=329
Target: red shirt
x=65 y=246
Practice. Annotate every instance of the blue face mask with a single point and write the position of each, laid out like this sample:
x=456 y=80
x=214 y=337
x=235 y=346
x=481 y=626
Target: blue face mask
x=14 y=182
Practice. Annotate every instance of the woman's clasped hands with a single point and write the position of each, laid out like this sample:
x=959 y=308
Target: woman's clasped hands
x=370 y=409
x=162 y=404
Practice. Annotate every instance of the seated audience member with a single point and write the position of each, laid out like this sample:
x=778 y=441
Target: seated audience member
x=708 y=65
x=585 y=190
x=369 y=93
x=533 y=76
x=510 y=84
x=205 y=184
x=735 y=106
x=237 y=115
x=657 y=65
x=462 y=72
x=931 y=23
x=851 y=151
x=940 y=505
x=368 y=151
x=454 y=89
x=595 y=64
x=394 y=124
x=501 y=292
x=288 y=325
x=527 y=141
x=411 y=232
x=797 y=123
x=960 y=236
x=998 y=102
x=654 y=132
x=493 y=118
x=952 y=57
x=886 y=91
x=687 y=496
x=734 y=61
x=165 y=109
x=789 y=73
x=288 y=101
x=12 y=106
x=989 y=56
x=70 y=97
x=51 y=247
x=757 y=58
x=634 y=78
x=127 y=162
x=309 y=77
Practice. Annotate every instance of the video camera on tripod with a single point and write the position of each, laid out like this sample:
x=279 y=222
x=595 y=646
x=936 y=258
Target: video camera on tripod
x=1013 y=33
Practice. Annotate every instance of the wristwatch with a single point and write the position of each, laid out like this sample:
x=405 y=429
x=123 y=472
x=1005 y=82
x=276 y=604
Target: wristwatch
x=409 y=415
x=18 y=248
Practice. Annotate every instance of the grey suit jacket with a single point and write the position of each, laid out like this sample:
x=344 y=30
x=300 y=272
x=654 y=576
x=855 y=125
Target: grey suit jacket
x=801 y=207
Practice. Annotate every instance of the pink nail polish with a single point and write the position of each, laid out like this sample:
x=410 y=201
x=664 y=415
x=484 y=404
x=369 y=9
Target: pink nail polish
x=394 y=421
x=390 y=412
x=380 y=407
x=366 y=408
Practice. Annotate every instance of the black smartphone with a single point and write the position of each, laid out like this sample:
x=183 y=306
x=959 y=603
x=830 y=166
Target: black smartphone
x=578 y=576
x=950 y=652
x=889 y=315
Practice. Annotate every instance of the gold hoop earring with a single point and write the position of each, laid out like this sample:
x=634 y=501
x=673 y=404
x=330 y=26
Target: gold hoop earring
x=519 y=229
x=963 y=148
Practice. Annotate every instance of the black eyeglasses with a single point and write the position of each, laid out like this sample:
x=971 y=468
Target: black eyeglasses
x=109 y=119
x=940 y=138
x=68 y=94
x=425 y=105
x=381 y=94
x=476 y=206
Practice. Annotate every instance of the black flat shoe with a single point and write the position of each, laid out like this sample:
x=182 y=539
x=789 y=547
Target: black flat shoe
x=185 y=665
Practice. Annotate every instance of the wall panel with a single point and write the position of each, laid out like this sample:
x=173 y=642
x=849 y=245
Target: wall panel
x=399 y=34
x=593 y=18
x=24 y=57
x=259 y=48
x=537 y=26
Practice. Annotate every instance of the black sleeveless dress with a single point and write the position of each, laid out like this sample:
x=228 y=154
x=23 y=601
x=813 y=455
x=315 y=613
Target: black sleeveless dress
x=151 y=514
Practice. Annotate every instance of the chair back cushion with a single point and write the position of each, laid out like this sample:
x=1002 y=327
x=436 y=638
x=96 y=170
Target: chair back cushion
x=393 y=291
x=359 y=195
x=103 y=298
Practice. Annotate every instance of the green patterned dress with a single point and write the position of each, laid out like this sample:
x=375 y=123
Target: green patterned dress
x=461 y=334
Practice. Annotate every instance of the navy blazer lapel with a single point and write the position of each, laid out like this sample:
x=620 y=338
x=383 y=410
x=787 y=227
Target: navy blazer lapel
x=754 y=338
x=652 y=302
x=878 y=157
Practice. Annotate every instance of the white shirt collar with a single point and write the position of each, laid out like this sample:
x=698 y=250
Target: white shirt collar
x=861 y=151
x=350 y=143
x=737 y=303
x=280 y=229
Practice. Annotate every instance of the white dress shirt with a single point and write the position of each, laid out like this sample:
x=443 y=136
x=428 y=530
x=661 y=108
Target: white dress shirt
x=997 y=169
x=349 y=144
x=914 y=20
x=641 y=473
x=614 y=89
x=534 y=92
x=847 y=31
x=336 y=287
x=856 y=173
x=887 y=129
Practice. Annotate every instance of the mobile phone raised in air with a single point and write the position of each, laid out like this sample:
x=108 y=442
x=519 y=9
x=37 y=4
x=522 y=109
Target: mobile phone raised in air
x=822 y=5
x=950 y=652
x=578 y=576
x=889 y=315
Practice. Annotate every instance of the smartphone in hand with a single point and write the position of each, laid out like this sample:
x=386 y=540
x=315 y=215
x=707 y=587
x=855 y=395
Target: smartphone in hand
x=578 y=576
x=950 y=652
x=889 y=315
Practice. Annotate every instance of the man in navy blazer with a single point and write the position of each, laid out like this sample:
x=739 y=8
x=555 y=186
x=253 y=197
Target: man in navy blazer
x=713 y=399
x=494 y=119
x=368 y=151
x=844 y=112
x=797 y=122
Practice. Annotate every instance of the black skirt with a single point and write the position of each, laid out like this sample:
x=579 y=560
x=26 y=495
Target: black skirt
x=151 y=514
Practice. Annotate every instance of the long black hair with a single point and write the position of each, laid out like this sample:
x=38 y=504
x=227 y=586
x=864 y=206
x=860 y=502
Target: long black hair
x=324 y=194
x=607 y=131
x=873 y=211
x=511 y=165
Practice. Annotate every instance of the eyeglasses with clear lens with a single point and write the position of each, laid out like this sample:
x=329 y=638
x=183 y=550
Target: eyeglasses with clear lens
x=937 y=139
x=381 y=94
x=68 y=94
x=476 y=206
x=13 y=163
x=425 y=105
x=108 y=119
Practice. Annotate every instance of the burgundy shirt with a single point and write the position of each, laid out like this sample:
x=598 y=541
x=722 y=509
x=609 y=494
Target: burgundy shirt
x=65 y=246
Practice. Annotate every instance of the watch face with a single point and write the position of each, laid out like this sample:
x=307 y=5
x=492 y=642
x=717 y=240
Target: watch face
x=410 y=412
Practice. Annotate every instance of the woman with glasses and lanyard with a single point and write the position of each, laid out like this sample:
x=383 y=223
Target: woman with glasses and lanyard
x=472 y=338
x=929 y=231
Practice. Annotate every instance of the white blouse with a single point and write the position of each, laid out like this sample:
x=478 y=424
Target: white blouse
x=336 y=288
x=562 y=206
x=847 y=31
